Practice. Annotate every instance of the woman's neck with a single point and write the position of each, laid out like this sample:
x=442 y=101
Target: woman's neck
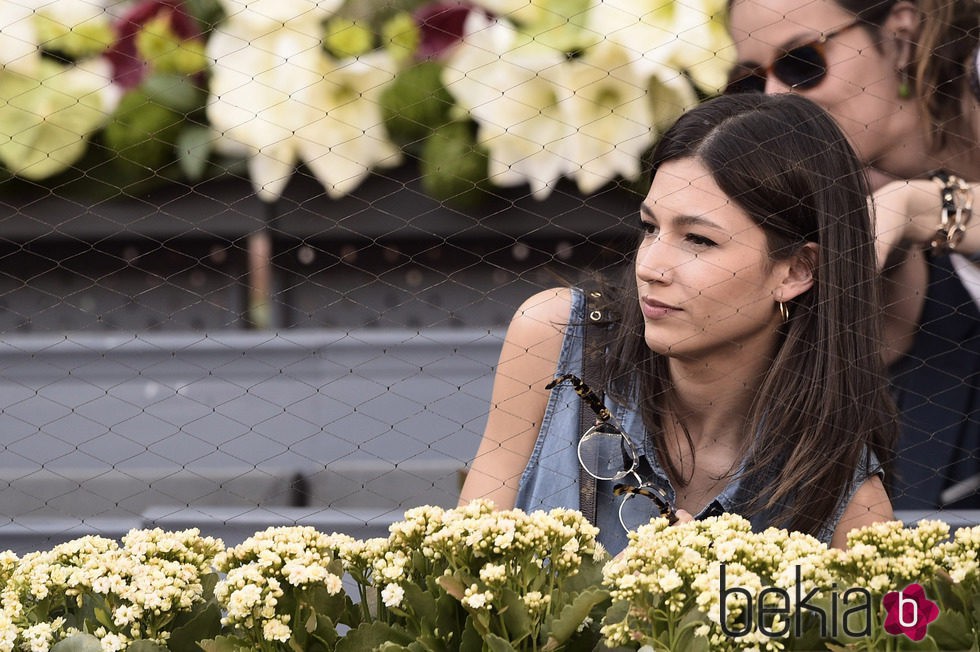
x=713 y=400
x=913 y=159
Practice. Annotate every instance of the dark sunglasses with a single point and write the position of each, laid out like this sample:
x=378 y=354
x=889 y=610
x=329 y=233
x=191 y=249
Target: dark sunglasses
x=800 y=68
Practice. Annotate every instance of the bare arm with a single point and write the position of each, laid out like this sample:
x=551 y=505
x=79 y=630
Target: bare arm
x=907 y=214
x=869 y=505
x=527 y=362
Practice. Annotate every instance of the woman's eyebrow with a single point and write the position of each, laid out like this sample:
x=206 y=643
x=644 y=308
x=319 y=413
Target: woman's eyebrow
x=683 y=220
x=696 y=220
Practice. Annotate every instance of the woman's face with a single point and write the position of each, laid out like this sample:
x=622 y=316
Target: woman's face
x=705 y=281
x=861 y=86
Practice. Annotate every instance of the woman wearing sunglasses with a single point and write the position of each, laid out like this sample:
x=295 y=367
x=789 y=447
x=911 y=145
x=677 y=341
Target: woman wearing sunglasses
x=901 y=79
x=744 y=372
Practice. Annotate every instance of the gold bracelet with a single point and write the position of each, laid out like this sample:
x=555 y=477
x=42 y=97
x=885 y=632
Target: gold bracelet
x=955 y=214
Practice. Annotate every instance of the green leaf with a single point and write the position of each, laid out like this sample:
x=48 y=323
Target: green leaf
x=498 y=644
x=422 y=603
x=143 y=134
x=471 y=641
x=102 y=616
x=370 y=636
x=951 y=631
x=333 y=606
x=429 y=643
x=175 y=92
x=572 y=616
x=454 y=168
x=224 y=644
x=147 y=646
x=928 y=644
x=589 y=575
x=205 y=625
x=194 y=145
x=686 y=640
x=516 y=617
x=415 y=104
x=78 y=643
x=324 y=630
x=452 y=585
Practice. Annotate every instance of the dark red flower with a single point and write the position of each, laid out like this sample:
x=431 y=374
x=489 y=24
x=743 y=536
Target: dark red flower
x=441 y=26
x=128 y=68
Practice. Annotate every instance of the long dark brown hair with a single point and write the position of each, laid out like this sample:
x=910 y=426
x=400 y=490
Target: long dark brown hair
x=824 y=403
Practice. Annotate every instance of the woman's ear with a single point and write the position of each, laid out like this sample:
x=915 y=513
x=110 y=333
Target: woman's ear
x=902 y=27
x=799 y=276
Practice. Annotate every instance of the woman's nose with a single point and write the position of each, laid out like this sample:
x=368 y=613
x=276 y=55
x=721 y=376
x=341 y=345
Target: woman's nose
x=653 y=263
x=776 y=87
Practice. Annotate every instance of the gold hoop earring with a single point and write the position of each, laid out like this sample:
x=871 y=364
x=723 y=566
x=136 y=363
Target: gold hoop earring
x=783 y=310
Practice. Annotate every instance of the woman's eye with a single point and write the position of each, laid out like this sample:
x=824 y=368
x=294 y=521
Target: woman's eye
x=700 y=240
x=649 y=228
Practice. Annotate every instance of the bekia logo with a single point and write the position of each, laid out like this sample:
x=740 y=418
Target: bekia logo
x=909 y=612
x=850 y=612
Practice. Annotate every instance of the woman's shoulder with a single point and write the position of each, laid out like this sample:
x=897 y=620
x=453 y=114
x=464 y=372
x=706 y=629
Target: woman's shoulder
x=548 y=309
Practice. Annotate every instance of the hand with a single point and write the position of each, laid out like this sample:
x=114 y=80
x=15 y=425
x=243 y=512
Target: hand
x=682 y=517
x=905 y=212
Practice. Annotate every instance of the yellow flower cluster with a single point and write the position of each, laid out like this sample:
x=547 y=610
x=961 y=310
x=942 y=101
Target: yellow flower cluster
x=669 y=577
x=140 y=587
x=535 y=580
x=265 y=567
x=888 y=555
x=672 y=588
x=489 y=561
x=961 y=556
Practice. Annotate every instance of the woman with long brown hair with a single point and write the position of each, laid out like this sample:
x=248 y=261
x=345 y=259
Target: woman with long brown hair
x=744 y=372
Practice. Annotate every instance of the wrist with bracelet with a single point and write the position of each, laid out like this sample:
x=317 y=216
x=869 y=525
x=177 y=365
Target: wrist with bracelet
x=955 y=214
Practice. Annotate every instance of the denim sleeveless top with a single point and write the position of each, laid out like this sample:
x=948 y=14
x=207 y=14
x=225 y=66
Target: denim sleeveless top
x=936 y=386
x=551 y=478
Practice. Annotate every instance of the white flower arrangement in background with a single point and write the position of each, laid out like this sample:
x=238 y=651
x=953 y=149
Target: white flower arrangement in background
x=277 y=92
x=50 y=108
x=483 y=93
x=581 y=89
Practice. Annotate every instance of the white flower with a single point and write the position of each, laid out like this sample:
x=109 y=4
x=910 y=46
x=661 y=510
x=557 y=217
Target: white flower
x=113 y=643
x=475 y=599
x=544 y=114
x=275 y=91
x=687 y=36
x=47 y=115
x=670 y=581
x=493 y=573
x=392 y=595
x=276 y=630
x=495 y=74
x=333 y=583
x=19 y=51
x=38 y=637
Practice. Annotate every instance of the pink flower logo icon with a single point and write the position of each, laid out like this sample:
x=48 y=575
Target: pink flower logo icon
x=909 y=612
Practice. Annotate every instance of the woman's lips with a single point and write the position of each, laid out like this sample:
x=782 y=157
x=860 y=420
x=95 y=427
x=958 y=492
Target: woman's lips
x=653 y=309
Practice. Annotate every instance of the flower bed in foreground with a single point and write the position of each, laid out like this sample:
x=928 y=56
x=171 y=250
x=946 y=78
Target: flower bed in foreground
x=476 y=579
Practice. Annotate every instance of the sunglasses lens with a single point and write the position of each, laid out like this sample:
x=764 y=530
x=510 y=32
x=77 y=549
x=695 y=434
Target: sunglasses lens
x=801 y=68
x=604 y=453
x=745 y=80
x=636 y=510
